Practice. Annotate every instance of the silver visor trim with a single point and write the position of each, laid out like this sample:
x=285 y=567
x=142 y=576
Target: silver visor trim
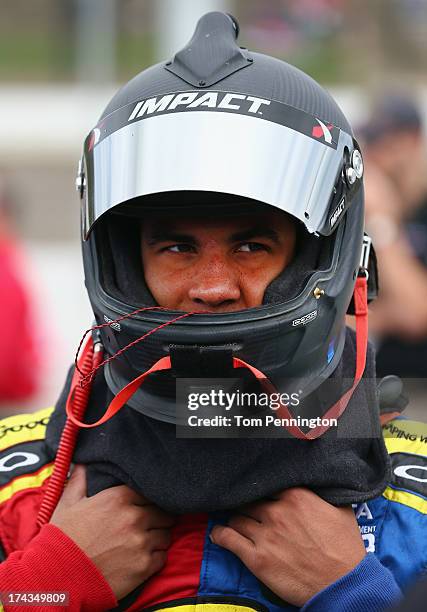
x=219 y=152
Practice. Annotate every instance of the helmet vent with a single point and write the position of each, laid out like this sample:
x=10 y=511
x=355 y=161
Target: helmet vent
x=212 y=54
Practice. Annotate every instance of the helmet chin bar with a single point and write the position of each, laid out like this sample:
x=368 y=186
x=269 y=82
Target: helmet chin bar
x=203 y=358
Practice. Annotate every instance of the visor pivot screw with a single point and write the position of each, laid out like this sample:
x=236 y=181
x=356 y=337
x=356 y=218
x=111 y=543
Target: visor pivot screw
x=168 y=63
x=318 y=292
x=357 y=163
x=351 y=175
x=250 y=60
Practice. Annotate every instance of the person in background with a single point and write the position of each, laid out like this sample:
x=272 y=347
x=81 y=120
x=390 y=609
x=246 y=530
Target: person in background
x=19 y=357
x=396 y=219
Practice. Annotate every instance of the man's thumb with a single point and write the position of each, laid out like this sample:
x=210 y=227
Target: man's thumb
x=75 y=489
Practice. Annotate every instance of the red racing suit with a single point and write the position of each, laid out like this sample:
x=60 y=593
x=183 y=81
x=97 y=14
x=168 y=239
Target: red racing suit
x=198 y=575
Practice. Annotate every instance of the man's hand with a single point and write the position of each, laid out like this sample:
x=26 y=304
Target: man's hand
x=296 y=545
x=121 y=532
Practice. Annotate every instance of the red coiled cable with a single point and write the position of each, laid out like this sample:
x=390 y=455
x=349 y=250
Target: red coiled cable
x=86 y=366
x=79 y=394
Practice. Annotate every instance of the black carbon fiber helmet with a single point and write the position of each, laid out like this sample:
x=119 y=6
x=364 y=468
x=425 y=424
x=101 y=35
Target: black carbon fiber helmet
x=220 y=126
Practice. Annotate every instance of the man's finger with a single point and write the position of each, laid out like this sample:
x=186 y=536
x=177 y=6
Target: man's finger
x=234 y=542
x=254 y=511
x=76 y=488
x=159 y=539
x=247 y=527
x=157 y=518
x=126 y=495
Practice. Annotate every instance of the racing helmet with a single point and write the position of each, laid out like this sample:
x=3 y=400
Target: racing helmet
x=221 y=127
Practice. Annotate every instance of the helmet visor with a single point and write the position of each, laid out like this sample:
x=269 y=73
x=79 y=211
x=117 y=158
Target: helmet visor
x=279 y=155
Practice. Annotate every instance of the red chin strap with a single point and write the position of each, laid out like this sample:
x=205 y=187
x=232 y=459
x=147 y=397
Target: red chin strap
x=90 y=360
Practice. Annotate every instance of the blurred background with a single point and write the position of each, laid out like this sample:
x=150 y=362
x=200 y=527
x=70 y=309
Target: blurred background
x=61 y=61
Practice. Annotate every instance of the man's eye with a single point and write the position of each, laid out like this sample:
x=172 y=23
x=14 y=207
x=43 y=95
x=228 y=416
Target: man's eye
x=180 y=248
x=249 y=247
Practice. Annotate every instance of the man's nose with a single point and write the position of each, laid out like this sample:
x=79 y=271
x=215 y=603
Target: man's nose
x=215 y=284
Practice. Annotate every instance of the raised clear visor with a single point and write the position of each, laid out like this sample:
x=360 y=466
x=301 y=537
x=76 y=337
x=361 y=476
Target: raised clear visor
x=219 y=152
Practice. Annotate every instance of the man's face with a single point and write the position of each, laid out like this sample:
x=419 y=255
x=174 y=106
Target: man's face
x=215 y=264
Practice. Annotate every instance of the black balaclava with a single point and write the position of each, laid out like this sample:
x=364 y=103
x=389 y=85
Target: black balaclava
x=346 y=465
